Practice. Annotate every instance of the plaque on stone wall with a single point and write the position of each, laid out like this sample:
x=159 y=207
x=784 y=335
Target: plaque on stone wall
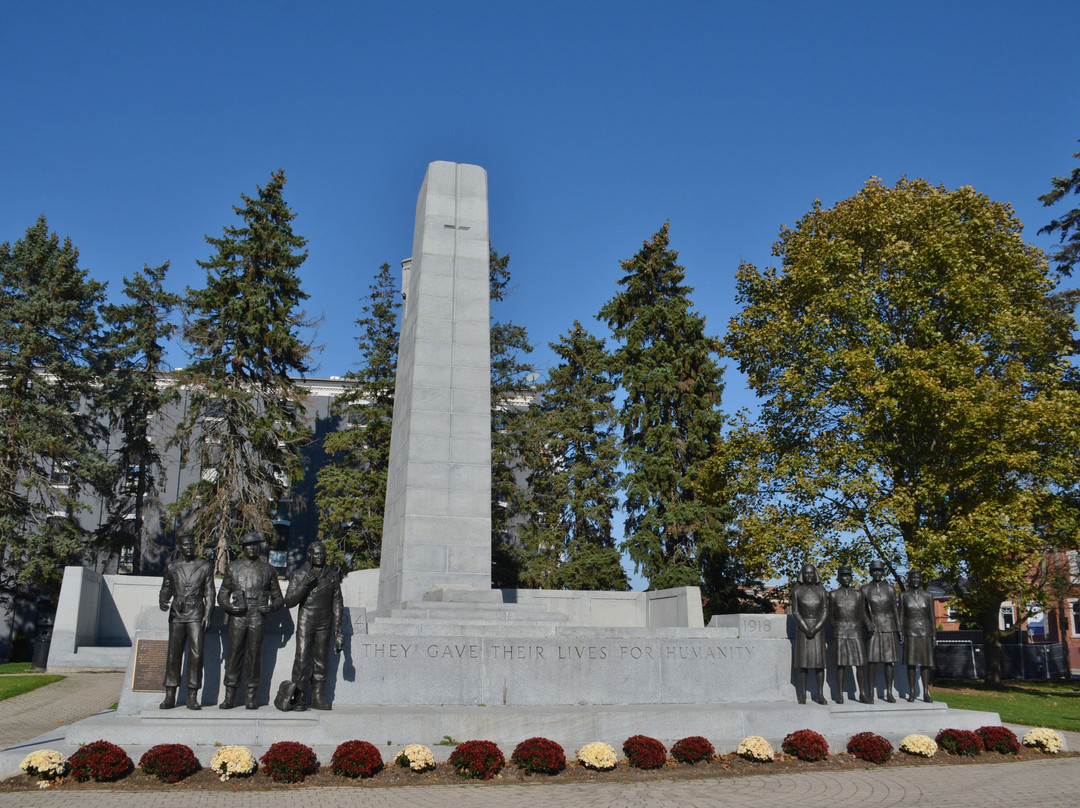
x=149 y=670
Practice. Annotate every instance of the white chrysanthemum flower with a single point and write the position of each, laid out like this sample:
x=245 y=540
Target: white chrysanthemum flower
x=754 y=747
x=417 y=757
x=1045 y=739
x=921 y=745
x=45 y=765
x=233 y=761
x=597 y=755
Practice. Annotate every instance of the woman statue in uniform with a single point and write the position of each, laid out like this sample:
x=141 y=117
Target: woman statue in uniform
x=809 y=606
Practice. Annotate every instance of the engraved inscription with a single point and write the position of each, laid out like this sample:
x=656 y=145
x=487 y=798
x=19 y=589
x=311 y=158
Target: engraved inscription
x=148 y=675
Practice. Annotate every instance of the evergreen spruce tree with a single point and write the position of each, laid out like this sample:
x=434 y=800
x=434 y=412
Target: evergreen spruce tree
x=351 y=486
x=510 y=414
x=50 y=340
x=244 y=419
x=573 y=474
x=671 y=424
x=135 y=397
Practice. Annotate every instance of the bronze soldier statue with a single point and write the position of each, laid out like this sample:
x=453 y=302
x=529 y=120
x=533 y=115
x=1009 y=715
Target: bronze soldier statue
x=884 y=624
x=809 y=606
x=917 y=622
x=249 y=592
x=187 y=594
x=847 y=612
x=317 y=589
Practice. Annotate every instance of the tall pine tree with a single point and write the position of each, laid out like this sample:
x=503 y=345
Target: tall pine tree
x=50 y=341
x=670 y=420
x=511 y=376
x=351 y=487
x=244 y=418
x=135 y=397
x=573 y=474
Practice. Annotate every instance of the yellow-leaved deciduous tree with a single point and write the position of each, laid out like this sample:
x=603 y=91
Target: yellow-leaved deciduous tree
x=918 y=403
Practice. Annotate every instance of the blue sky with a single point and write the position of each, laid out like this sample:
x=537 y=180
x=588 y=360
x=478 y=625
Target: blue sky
x=135 y=127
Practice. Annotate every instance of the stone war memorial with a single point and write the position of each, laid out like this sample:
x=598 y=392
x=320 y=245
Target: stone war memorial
x=429 y=648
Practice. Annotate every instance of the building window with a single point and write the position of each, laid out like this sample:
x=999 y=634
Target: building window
x=1008 y=617
x=951 y=614
x=1074 y=607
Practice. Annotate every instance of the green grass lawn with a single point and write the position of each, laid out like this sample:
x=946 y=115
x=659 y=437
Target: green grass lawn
x=24 y=683
x=1034 y=703
x=15 y=667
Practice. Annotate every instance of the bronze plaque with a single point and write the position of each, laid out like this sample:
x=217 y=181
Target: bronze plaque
x=149 y=670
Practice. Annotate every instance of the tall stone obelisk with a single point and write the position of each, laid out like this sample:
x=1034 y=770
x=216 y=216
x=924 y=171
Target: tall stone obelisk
x=437 y=522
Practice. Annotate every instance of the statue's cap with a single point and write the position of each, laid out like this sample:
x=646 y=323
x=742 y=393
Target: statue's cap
x=252 y=537
x=844 y=569
x=877 y=565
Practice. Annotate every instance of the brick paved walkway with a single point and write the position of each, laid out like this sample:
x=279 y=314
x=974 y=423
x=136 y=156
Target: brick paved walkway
x=1039 y=784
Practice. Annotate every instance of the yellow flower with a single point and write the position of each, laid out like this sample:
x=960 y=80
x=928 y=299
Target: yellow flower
x=1045 y=739
x=754 y=747
x=45 y=765
x=416 y=757
x=233 y=761
x=597 y=755
x=921 y=745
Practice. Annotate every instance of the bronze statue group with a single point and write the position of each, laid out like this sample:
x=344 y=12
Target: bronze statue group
x=249 y=592
x=868 y=624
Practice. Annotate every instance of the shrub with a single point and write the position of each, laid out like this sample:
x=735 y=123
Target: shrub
x=169 y=762
x=999 y=739
x=45 y=765
x=356 y=759
x=233 y=761
x=477 y=760
x=416 y=757
x=643 y=752
x=1044 y=739
x=805 y=744
x=101 y=761
x=960 y=742
x=921 y=745
x=694 y=749
x=540 y=756
x=597 y=756
x=869 y=747
x=289 y=762
x=755 y=748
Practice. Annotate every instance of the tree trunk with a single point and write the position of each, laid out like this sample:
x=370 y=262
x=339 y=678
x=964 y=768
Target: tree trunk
x=988 y=618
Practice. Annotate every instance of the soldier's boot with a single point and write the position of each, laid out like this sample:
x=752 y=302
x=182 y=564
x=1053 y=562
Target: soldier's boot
x=170 y=699
x=300 y=702
x=193 y=699
x=229 y=701
x=252 y=700
x=318 y=696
